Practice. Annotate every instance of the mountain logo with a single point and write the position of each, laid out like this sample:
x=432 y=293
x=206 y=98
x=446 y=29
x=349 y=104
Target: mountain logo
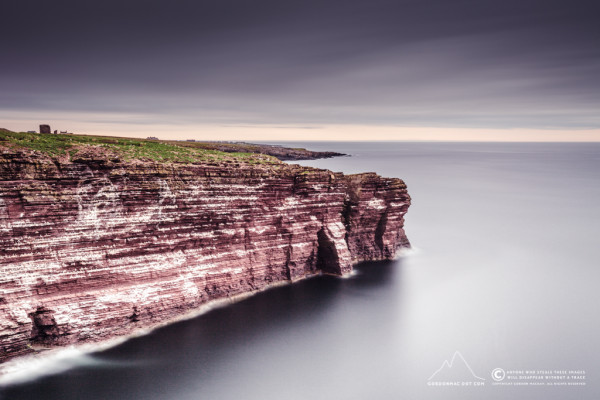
x=457 y=369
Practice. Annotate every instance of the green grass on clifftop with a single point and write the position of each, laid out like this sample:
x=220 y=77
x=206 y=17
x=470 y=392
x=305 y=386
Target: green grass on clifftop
x=74 y=146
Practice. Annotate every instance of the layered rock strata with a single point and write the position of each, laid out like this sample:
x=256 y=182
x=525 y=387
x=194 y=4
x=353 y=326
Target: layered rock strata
x=91 y=248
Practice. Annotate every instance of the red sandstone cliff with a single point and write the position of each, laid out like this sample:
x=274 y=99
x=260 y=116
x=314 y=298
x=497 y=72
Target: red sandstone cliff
x=92 y=248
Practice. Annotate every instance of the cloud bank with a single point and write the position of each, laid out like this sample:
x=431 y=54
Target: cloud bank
x=473 y=64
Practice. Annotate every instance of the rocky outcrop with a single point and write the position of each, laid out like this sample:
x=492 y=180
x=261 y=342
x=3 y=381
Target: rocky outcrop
x=280 y=152
x=92 y=248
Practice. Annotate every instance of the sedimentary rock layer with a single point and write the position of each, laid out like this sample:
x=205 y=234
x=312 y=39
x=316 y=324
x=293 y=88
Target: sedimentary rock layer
x=92 y=248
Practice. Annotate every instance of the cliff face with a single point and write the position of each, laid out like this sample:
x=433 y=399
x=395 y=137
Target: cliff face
x=92 y=248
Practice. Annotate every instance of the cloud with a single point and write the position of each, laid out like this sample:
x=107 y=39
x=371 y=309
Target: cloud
x=509 y=64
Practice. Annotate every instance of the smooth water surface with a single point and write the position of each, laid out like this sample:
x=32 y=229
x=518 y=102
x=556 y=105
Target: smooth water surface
x=505 y=271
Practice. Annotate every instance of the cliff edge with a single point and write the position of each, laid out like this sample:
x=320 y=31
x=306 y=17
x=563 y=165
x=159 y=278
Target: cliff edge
x=94 y=245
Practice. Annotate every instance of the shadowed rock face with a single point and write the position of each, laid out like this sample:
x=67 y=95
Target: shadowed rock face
x=92 y=249
x=44 y=328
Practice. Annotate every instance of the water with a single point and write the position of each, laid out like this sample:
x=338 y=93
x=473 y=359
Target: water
x=505 y=273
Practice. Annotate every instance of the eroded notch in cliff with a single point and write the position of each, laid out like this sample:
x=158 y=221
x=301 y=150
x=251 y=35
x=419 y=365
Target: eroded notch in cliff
x=135 y=317
x=327 y=256
x=44 y=329
x=379 y=231
x=347 y=217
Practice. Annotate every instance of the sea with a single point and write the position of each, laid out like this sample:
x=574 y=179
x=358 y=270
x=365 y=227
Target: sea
x=498 y=298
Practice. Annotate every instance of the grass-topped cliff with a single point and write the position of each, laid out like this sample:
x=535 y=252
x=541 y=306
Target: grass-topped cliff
x=102 y=237
x=127 y=149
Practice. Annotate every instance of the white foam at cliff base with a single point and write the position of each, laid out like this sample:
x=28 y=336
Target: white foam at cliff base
x=350 y=274
x=406 y=252
x=51 y=362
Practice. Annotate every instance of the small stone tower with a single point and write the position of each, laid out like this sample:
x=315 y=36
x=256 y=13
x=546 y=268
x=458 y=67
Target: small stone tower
x=45 y=129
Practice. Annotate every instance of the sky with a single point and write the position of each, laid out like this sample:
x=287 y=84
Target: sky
x=304 y=69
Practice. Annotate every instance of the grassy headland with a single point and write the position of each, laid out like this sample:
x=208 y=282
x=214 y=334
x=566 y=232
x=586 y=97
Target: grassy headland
x=126 y=149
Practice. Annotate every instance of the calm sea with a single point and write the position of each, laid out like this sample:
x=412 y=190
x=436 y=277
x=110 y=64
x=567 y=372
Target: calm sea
x=498 y=300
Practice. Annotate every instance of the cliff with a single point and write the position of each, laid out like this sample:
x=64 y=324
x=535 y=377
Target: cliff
x=93 y=245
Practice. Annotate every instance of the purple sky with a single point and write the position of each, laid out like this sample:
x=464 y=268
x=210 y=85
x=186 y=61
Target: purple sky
x=228 y=69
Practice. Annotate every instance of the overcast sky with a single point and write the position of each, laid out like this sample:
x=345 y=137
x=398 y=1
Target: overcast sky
x=303 y=69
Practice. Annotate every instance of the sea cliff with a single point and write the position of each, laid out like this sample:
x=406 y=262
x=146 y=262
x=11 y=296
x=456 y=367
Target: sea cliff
x=94 y=245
